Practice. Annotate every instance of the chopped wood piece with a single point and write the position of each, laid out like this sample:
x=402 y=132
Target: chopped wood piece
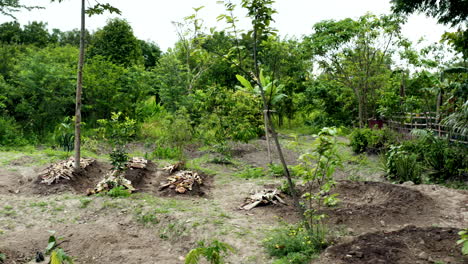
x=137 y=163
x=112 y=179
x=181 y=181
x=174 y=167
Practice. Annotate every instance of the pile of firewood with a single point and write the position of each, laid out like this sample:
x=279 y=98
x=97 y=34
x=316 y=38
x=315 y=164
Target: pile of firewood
x=263 y=197
x=182 y=181
x=112 y=179
x=62 y=170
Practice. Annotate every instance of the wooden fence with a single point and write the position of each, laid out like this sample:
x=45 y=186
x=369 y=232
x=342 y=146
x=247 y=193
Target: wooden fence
x=405 y=122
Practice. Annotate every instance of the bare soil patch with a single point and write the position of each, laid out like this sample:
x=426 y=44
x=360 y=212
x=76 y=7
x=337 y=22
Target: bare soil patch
x=409 y=245
x=256 y=153
x=374 y=206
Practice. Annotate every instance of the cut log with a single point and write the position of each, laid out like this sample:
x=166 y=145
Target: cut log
x=264 y=197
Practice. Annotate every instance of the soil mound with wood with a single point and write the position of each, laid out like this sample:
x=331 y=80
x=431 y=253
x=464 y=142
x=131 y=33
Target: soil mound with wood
x=148 y=179
x=409 y=245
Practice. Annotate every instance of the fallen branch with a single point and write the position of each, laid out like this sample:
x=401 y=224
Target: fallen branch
x=263 y=197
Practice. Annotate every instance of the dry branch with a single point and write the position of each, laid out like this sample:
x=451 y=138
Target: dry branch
x=263 y=197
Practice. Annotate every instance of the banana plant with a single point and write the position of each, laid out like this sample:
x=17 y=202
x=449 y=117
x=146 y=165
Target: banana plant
x=273 y=91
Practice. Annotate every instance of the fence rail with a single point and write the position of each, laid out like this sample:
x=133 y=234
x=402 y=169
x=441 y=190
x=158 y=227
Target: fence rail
x=406 y=122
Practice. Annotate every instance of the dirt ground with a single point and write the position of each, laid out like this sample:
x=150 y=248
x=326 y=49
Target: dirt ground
x=379 y=222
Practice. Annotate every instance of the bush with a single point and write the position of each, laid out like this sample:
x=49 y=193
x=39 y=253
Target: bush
x=402 y=166
x=294 y=244
x=360 y=140
x=10 y=133
x=372 y=140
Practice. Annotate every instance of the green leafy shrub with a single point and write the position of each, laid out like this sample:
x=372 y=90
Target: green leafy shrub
x=294 y=244
x=118 y=130
x=372 y=140
x=214 y=253
x=360 y=140
x=10 y=133
x=251 y=173
x=402 y=166
x=64 y=135
x=275 y=170
x=119 y=158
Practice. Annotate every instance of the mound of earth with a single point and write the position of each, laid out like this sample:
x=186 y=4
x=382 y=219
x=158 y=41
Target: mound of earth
x=144 y=180
x=409 y=245
x=371 y=206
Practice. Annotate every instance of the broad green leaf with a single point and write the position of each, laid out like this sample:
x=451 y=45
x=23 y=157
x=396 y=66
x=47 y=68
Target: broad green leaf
x=244 y=82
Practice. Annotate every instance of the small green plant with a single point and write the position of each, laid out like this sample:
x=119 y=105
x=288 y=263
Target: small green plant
x=118 y=192
x=251 y=173
x=2 y=257
x=119 y=158
x=317 y=169
x=293 y=244
x=57 y=255
x=463 y=241
x=402 y=166
x=64 y=135
x=214 y=253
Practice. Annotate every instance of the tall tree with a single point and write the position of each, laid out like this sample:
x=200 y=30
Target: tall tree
x=96 y=9
x=357 y=53
x=448 y=12
x=117 y=43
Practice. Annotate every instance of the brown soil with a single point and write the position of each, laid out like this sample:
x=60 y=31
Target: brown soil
x=410 y=245
x=371 y=206
x=256 y=153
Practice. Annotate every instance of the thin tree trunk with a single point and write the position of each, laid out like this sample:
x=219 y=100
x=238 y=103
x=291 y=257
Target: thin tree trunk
x=265 y=117
x=79 y=88
x=273 y=132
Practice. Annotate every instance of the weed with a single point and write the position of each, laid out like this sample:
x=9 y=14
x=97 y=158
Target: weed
x=2 y=257
x=275 y=170
x=84 y=202
x=165 y=153
x=214 y=252
x=293 y=244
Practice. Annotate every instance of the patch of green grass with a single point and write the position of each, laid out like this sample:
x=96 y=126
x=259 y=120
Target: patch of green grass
x=118 y=192
x=43 y=205
x=8 y=211
x=251 y=173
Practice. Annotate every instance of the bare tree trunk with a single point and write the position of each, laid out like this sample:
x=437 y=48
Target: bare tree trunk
x=265 y=117
x=79 y=88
